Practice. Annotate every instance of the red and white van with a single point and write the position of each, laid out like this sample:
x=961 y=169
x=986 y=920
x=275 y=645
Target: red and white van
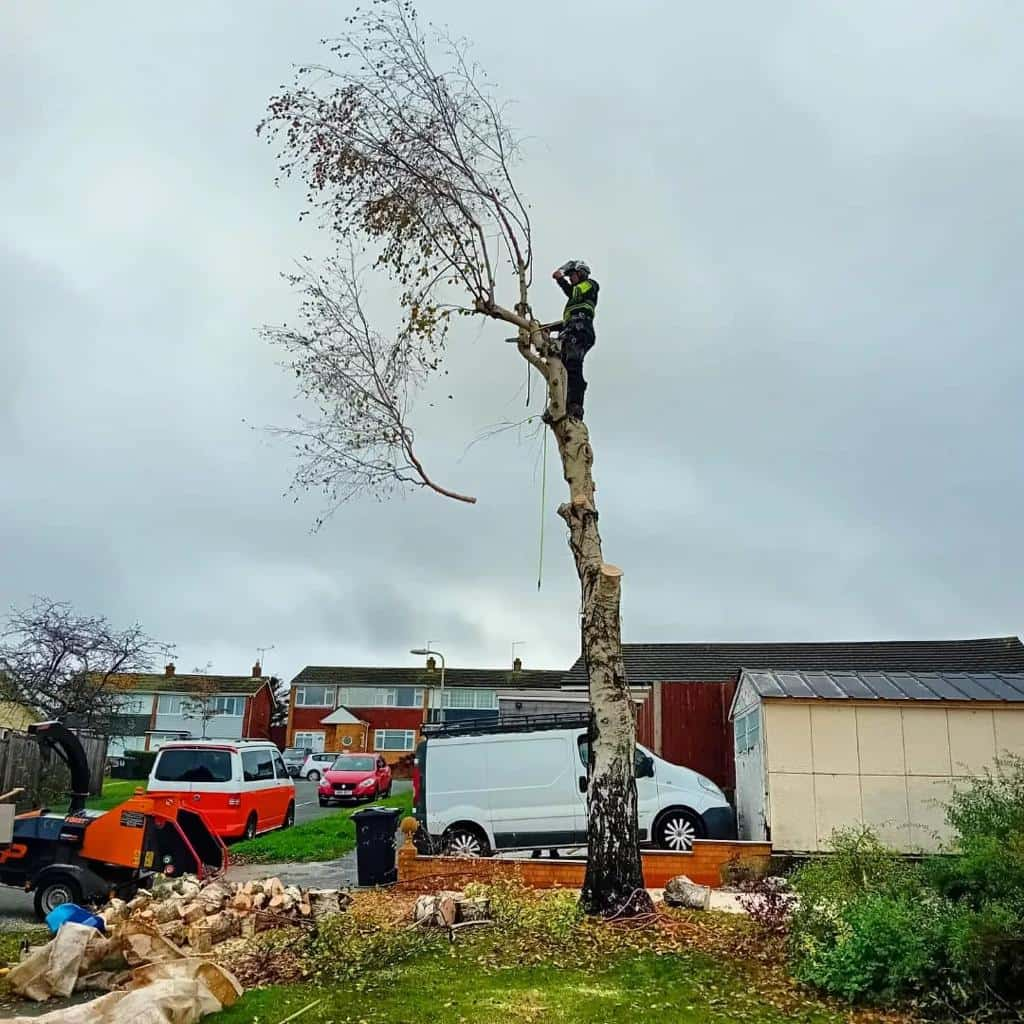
x=241 y=786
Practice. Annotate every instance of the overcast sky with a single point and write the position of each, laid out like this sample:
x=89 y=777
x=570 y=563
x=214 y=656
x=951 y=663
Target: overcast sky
x=805 y=398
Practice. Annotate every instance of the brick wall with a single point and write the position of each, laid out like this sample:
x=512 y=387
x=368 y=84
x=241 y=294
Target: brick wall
x=258 y=726
x=702 y=865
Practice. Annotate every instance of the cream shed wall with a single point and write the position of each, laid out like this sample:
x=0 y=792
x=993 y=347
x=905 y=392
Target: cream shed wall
x=889 y=765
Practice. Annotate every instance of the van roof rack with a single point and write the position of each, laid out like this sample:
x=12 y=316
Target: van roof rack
x=508 y=723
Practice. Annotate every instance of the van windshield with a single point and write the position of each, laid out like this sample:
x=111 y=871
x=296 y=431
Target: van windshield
x=349 y=763
x=193 y=765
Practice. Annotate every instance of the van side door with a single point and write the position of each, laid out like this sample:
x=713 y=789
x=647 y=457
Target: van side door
x=647 y=798
x=285 y=786
x=260 y=789
x=534 y=791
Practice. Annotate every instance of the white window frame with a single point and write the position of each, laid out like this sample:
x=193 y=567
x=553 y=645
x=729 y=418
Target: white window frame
x=460 y=698
x=408 y=739
x=330 y=694
x=174 y=698
x=236 y=702
x=747 y=730
x=378 y=697
x=312 y=733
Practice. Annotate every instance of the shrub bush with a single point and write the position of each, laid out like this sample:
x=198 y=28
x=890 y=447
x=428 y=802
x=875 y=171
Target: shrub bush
x=873 y=927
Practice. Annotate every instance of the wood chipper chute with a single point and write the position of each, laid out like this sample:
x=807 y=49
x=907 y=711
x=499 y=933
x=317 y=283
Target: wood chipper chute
x=85 y=856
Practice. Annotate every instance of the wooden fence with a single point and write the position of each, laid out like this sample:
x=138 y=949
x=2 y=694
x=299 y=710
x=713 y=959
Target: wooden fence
x=45 y=778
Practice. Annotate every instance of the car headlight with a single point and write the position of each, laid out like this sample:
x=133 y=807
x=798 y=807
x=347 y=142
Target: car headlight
x=708 y=785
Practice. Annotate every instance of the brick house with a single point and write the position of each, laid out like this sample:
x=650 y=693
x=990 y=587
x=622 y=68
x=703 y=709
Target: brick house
x=157 y=707
x=338 y=708
x=686 y=717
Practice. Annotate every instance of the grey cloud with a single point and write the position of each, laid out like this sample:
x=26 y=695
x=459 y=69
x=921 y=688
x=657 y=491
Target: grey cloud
x=804 y=398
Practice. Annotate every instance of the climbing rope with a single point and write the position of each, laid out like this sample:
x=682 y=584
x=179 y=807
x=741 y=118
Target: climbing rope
x=543 y=505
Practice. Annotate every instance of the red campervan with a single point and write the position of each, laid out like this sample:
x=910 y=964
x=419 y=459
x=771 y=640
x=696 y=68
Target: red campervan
x=241 y=787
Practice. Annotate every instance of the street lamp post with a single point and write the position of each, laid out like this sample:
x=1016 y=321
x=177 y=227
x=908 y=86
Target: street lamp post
x=426 y=652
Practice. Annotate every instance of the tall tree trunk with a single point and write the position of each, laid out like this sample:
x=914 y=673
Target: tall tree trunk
x=614 y=879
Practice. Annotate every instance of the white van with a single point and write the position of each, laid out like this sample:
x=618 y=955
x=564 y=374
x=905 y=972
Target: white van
x=484 y=787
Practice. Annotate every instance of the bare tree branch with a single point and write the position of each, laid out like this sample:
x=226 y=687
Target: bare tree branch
x=60 y=663
x=361 y=385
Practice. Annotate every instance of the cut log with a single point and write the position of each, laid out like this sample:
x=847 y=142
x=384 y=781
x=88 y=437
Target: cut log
x=681 y=892
x=143 y=899
x=478 y=909
x=437 y=911
x=193 y=912
x=325 y=902
x=242 y=902
x=175 y=931
x=259 y=900
x=168 y=910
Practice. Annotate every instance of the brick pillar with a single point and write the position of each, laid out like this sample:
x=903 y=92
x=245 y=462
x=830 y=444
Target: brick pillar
x=407 y=851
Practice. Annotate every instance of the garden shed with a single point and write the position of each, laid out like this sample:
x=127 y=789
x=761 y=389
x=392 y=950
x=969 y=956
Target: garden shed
x=821 y=750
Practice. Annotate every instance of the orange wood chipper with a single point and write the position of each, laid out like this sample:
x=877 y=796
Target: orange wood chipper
x=87 y=856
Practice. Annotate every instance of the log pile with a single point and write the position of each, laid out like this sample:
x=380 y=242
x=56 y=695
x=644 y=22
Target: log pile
x=451 y=910
x=199 y=916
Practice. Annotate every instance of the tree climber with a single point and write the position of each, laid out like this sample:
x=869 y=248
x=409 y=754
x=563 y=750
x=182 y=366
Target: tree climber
x=576 y=330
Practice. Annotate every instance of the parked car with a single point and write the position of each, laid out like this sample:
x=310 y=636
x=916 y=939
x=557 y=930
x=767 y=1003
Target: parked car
x=355 y=777
x=294 y=758
x=241 y=787
x=316 y=764
x=482 y=787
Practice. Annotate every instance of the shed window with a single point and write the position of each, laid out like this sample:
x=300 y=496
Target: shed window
x=747 y=729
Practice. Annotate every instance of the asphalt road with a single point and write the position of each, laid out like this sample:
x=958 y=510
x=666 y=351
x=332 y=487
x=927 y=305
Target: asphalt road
x=16 y=906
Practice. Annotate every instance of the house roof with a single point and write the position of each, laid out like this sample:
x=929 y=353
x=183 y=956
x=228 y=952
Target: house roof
x=486 y=678
x=926 y=686
x=159 y=682
x=341 y=716
x=647 y=663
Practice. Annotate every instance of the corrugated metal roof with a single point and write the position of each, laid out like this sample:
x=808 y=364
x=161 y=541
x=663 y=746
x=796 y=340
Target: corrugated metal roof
x=929 y=686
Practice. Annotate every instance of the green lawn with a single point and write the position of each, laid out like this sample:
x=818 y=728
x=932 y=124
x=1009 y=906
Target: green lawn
x=115 y=791
x=651 y=988
x=323 y=839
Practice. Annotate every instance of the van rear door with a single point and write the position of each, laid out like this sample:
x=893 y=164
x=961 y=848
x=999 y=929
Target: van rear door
x=204 y=778
x=534 y=790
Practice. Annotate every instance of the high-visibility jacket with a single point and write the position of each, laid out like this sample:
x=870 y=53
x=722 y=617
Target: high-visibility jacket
x=582 y=298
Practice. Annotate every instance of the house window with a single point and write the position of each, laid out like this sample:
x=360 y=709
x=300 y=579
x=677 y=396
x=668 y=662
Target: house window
x=169 y=704
x=380 y=697
x=128 y=705
x=233 y=706
x=747 y=729
x=477 y=700
x=314 y=696
x=308 y=740
x=394 y=739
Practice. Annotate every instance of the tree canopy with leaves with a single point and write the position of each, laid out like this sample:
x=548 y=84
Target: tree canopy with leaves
x=405 y=153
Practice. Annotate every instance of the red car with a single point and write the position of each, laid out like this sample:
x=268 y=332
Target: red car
x=355 y=777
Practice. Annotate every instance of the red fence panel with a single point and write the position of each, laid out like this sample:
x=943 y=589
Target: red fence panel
x=695 y=729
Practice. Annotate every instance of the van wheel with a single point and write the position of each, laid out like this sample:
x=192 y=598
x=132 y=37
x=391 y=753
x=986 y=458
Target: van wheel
x=55 y=893
x=289 y=817
x=677 y=830
x=313 y=776
x=465 y=841
x=250 y=827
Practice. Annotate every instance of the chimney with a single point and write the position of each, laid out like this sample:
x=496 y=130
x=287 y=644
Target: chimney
x=169 y=669
x=431 y=664
x=517 y=665
x=257 y=670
